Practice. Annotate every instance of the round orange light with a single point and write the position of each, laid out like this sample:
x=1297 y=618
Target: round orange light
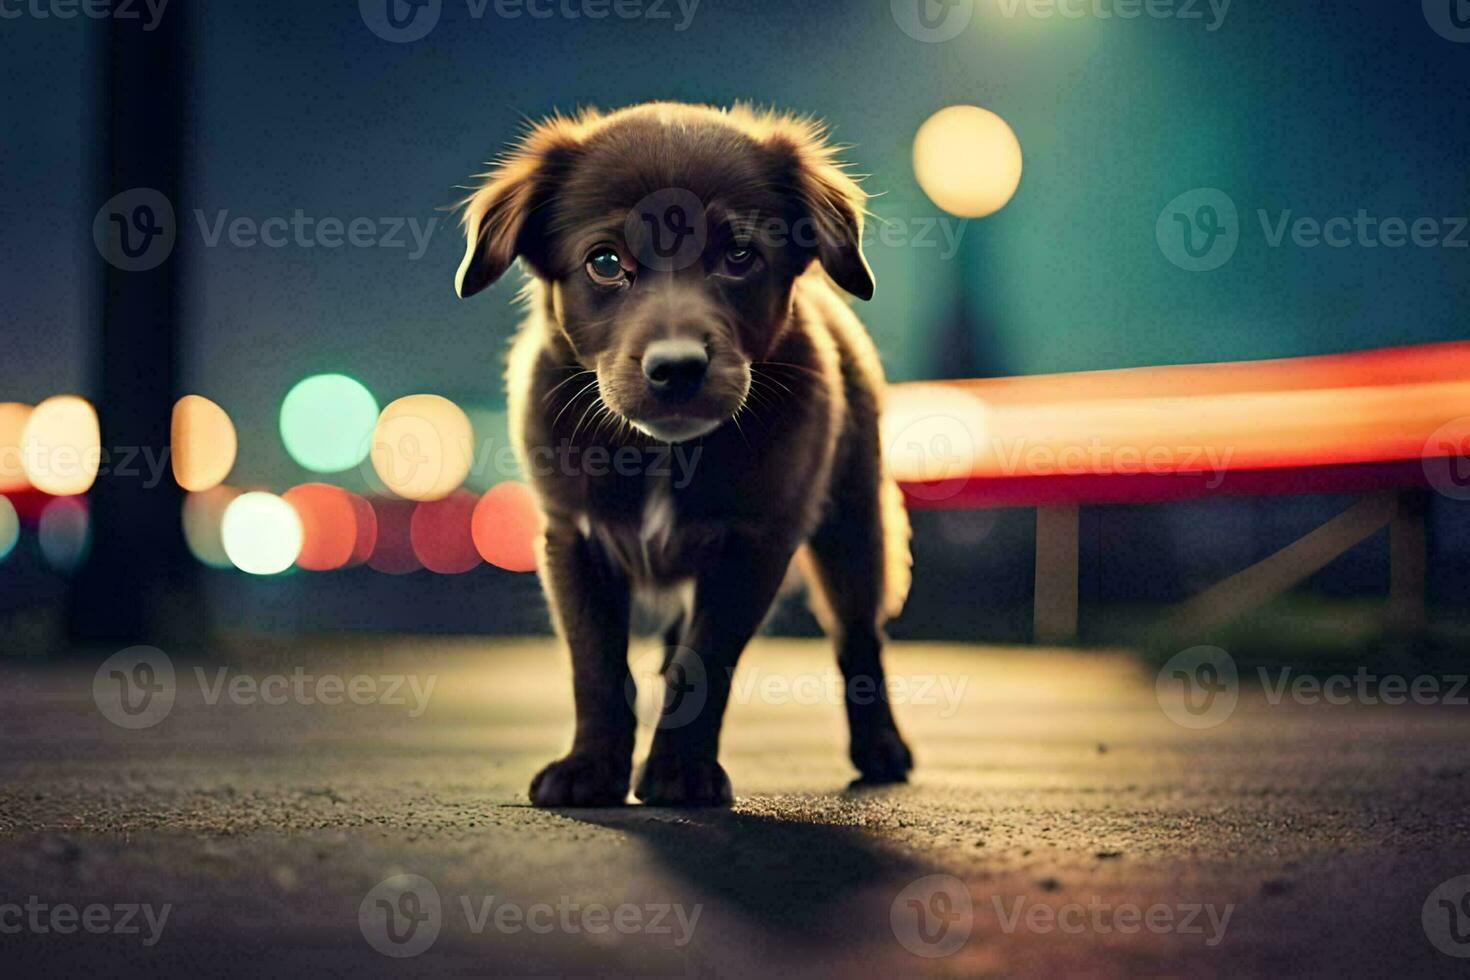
x=62 y=446
x=423 y=447
x=507 y=527
x=13 y=416
x=204 y=443
x=968 y=160
x=328 y=524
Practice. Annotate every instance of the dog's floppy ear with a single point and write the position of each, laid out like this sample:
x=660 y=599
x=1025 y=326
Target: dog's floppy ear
x=506 y=217
x=830 y=201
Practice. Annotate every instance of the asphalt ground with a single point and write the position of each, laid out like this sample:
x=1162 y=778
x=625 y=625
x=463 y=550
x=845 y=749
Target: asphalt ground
x=1059 y=822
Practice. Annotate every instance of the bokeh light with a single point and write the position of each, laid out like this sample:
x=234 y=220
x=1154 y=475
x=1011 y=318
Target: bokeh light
x=204 y=443
x=9 y=528
x=423 y=447
x=62 y=446
x=64 y=533
x=393 y=550
x=262 y=534
x=326 y=422
x=506 y=527
x=13 y=416
x=204 y=518
x=441 y=536
x=967 y=160
x=367 y=530
x=328 y=526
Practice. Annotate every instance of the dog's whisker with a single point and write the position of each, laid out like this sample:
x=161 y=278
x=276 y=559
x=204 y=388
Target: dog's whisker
x=784 y=364
x=547 y=397
x=590 y=408
x=772 y=381
x=572 y=401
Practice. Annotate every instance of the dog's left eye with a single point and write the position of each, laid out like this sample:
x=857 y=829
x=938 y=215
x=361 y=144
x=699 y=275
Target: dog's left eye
x=605 y=266
x=739 y=260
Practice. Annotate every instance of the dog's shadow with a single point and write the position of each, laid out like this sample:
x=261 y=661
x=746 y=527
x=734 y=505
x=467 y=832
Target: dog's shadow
x=787 y=874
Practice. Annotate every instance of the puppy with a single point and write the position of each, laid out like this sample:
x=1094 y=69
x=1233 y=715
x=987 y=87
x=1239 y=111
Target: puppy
x=684 y=270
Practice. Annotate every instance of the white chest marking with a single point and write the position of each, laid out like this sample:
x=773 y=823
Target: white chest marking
x=658 y=519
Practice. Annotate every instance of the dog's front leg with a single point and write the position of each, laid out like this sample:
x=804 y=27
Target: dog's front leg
x=730 y=601
x=590 y=599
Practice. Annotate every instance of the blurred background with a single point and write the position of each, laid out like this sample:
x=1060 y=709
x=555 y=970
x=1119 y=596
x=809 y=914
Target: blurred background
x=282 y=172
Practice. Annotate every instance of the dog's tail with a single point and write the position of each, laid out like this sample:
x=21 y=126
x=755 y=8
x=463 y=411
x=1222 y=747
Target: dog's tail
x=898 y=556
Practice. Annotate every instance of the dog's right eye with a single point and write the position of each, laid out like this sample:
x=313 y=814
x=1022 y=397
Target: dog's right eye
x=605 y=266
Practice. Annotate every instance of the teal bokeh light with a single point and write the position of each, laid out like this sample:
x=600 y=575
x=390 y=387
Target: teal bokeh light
x=327 y=422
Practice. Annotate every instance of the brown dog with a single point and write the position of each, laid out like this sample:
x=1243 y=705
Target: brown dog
x=682 y=261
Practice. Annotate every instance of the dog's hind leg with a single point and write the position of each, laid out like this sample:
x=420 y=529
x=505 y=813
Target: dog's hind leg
x=857 y=569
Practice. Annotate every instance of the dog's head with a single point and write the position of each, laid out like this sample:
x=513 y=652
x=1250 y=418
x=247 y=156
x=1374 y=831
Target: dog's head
x=669 y=237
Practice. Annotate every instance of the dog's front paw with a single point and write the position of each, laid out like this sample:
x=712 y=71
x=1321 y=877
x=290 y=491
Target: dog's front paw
x=674 y=780
x=581 y=779
x=882 y=757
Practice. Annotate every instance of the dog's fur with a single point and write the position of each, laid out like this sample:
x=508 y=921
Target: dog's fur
x=785 y=421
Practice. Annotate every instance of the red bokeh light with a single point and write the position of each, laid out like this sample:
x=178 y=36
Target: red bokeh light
x=328 y=524
x=506 y=527
x=393 y=551
x=441 y=535
x=367 y=529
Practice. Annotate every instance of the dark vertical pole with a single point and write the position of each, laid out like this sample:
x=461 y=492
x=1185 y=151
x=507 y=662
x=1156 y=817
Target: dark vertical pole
x=138 y=578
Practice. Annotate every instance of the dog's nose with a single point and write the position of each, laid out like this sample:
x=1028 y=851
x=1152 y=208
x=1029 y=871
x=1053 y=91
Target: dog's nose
x=675 y=368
